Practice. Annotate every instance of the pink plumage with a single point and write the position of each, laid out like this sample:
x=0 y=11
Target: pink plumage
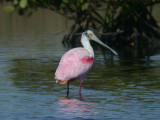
x=77 y=62
x=74 y=65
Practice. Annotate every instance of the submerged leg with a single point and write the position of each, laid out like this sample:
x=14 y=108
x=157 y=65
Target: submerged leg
x=81 y=78
x=80 y=85
x=67 y=88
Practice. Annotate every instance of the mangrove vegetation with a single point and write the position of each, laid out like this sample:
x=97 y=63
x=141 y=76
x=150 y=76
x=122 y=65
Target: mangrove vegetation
x=115 y=21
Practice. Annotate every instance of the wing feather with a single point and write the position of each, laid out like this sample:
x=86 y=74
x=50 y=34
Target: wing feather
x=71 y=65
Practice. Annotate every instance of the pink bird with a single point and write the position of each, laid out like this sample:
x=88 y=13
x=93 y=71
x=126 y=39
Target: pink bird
x=76 y=63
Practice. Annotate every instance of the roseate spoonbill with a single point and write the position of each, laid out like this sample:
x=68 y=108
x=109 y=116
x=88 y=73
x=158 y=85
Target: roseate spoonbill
x=76 y=63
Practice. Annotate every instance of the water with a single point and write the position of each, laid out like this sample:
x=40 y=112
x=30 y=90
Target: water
x=115 y=88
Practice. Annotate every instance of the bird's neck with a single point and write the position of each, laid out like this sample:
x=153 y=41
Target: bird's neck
x=86 y=44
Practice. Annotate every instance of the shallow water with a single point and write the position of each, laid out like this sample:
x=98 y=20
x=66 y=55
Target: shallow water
x=115 y=88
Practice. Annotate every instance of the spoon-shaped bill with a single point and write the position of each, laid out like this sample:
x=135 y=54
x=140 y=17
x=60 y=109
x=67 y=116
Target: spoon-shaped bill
x=101 y=43
x=106 y=46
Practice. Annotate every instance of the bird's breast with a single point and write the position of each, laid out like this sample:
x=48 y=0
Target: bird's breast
x=87 y=60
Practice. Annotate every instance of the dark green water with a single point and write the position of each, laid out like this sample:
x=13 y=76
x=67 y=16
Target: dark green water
x=118 y=88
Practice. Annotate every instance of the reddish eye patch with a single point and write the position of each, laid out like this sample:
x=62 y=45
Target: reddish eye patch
x=87 y=60
x=90 y=34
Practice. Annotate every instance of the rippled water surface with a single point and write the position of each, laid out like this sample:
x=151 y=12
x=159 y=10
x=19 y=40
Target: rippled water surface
x=115 y=88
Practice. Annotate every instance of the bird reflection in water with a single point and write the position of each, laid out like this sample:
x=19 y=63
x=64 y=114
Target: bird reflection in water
x=73 y=107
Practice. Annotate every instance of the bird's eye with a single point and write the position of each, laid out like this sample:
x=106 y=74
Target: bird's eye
x=87 y=34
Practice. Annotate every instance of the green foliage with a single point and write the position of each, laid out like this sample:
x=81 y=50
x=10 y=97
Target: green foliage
x=85 y=6
x=129 y=16
x=23 y=3
x=66 y=1
x=9 y=9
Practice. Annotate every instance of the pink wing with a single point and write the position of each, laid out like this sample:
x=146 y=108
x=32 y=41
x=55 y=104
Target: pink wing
x=73 y=64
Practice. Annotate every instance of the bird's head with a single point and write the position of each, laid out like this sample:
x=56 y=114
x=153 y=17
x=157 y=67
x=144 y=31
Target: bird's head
x=93 y=37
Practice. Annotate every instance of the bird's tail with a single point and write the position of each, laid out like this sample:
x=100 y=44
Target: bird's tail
x=61 y=81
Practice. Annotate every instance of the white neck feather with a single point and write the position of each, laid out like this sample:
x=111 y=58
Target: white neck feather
x=86 y=44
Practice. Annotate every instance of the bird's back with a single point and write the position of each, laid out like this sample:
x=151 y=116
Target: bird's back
x=75 y=63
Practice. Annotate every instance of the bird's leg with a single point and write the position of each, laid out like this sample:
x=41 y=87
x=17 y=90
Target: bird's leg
x=81 y=78
x=80 y=85
x=67 y=89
